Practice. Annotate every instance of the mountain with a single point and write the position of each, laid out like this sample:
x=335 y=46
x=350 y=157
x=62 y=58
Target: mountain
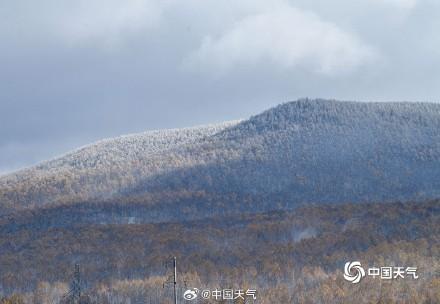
x=307 y=151
x=278 y=202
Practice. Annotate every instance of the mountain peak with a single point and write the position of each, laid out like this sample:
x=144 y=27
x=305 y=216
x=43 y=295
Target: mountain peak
x=325 y=113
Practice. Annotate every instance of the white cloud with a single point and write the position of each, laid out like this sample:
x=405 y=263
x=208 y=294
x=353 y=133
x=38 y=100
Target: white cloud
x=286 y=37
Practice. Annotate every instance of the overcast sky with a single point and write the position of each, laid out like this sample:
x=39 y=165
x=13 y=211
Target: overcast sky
x=72 y=72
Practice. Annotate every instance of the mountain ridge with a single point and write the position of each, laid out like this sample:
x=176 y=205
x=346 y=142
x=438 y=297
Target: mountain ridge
x=322 y=151
x=296 y=190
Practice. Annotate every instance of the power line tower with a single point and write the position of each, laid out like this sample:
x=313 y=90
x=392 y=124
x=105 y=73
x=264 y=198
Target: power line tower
x=74 y=295
x=76 y=285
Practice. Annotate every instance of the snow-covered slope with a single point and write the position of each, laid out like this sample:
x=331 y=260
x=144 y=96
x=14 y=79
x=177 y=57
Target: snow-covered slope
x=103 y=168
x=304 y=151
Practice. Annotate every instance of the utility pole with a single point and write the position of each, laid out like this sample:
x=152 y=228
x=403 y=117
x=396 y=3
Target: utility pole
x=172 y=279
x=175 y=280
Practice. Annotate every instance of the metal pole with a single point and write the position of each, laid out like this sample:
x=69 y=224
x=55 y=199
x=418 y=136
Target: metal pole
x=175 y=280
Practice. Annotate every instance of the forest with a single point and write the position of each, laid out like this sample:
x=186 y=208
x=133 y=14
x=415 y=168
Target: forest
x=279 y=202
x=288 y=256
x=316 y=151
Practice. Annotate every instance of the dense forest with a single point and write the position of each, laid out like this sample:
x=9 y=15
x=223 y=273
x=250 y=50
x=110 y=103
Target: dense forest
x=288 y=256
x=317 y=151
x=278 y=203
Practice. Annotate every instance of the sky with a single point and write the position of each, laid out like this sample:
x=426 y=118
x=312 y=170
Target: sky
x=72 y=72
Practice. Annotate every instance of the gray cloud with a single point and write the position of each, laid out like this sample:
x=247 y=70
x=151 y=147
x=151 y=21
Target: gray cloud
x=73 y=72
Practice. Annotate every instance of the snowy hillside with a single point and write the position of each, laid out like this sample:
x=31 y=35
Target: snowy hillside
x=102 y=168
x=307 y=151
